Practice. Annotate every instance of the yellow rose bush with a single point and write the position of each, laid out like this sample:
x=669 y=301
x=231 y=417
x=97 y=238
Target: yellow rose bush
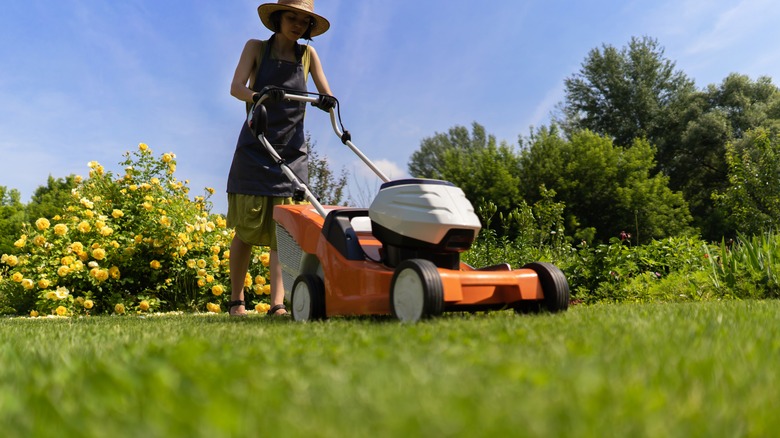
x=132 y=241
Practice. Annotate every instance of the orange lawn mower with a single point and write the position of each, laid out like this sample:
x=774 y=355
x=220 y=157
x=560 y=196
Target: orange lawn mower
x=399 y=257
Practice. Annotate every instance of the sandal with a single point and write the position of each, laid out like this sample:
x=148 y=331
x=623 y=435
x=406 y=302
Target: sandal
x=272 y=311
x=233 y=304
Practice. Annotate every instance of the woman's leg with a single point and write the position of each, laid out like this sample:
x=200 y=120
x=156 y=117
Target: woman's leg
x=277 y=286
x=240 y=253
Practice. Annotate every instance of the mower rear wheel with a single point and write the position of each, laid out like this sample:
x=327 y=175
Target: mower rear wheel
x=554 y=286
x=416 y=291
x=308 y=298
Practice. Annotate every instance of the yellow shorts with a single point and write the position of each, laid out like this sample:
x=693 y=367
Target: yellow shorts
x=252 y=217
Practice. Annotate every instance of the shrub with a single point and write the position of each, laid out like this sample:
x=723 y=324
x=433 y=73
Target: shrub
x=128 y=243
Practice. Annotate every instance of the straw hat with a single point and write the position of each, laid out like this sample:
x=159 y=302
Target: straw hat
x=265 y=10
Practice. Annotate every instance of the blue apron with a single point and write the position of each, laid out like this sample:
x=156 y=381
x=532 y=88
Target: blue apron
x=253 y=171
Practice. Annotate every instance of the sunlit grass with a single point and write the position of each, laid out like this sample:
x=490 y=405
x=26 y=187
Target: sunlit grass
x=704 y=369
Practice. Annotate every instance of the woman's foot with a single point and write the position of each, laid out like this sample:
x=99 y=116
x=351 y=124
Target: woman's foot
x=236 y=308
x=277 y=310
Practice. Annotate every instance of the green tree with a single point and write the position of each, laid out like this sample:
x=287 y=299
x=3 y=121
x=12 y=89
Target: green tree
x=631 y=93
x=606 y=188
x=752 y=198
x=697 y=166
x=11 y=218
x=428 y=161
x=49 y=200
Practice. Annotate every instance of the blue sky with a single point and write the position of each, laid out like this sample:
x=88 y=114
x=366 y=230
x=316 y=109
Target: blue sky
x=84 y=80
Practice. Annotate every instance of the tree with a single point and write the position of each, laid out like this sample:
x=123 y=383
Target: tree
x=606 y=188
x=11 y=218
x=752 y=197
x=49 y=200
x=698 y=165
x=627 y=94
x=324 y=184
x=428 y=161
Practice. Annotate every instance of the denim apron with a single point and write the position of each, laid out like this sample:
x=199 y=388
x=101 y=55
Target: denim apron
x=253 y=171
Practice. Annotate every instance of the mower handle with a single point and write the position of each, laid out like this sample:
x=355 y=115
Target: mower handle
x=259 y=99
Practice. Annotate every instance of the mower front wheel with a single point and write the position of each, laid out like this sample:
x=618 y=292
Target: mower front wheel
x=554 y=286
x=416 y=291
x=308 y=298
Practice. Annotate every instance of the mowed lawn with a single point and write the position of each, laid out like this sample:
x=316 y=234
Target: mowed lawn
x=662 y=370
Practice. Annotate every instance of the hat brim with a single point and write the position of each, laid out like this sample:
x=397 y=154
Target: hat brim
x=321 y=24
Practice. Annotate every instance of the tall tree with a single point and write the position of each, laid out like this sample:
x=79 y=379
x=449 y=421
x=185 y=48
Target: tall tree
x=631 y=93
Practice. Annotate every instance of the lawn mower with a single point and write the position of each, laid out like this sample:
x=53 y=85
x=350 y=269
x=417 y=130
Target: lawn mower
x=400 y=256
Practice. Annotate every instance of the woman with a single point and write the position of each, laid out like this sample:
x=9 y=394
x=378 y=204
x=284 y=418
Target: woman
x=256 y=183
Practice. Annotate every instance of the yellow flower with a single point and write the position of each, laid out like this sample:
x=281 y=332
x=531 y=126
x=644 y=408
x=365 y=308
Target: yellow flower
x=143 y=147
x=257 y=289
x=79 y=301
x=265 y=258
x=165 y=221
x=67 y=260
x=201 y=272
x=43 y=283
x=138 y=238
x=217 y=290
x=147 y=206
x=99 y=253
x=260 y=280
x=267 y=289
x=166 y=158
x=63 y=271
x=119 y=308
x=213 y=308
x=201 y=263
x=61 y=311
x=133 y=187
x=87 y=203
x=77 y=247
x=17 y=277
x=114 y=272
x=93 y=164
x=143 y=305
x=182 y=251
x=12 y=260
x=60 y=229
x=201 y=282
x=247 y=280
x=171 y=168
x=33 y=313
x=39 y=240
x=262 y=307
x=88 y=304
x=89 y=213
x=106 y=231
x=117 y=213
x=28 y=284
x=215 y=249
x=191 y=263
x=101 y=275
x=42 y=224
x=155 y=181
x=21 y=242
x=209 y=278
x=51 y=295
x=154 y=264
x=84 y=226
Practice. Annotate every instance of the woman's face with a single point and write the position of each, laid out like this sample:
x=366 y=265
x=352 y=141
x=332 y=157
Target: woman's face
x=295 y=24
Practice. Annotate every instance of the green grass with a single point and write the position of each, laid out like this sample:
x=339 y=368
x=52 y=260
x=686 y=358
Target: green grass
x=704 y=369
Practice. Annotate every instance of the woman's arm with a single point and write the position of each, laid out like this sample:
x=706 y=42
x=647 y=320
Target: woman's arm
x=238 y=87
x=320 y=81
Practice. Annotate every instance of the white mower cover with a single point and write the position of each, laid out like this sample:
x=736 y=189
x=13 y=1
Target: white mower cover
x=423 y=209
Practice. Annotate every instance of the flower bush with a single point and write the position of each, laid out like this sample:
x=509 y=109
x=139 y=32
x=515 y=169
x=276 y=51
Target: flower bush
x=131 y=243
